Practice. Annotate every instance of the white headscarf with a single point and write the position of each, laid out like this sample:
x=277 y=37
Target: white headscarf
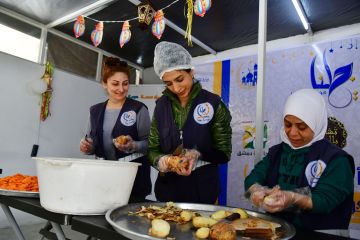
x=309 y=106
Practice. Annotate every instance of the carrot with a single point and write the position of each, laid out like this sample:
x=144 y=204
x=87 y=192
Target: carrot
x=20 y=182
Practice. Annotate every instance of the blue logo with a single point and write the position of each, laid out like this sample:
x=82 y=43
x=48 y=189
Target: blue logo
x=203 y=113
x=335 y=80
x=313 y=171
x=128 y=118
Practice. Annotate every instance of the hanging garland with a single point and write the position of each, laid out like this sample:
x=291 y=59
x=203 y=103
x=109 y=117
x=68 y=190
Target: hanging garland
x=189 y=15
x=46 y=96
x=145 y=15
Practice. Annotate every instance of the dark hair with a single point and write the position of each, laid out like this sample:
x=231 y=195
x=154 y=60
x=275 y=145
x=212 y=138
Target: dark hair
x=113 y=65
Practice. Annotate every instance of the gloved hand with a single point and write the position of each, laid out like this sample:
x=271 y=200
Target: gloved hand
x=86 y=145
x=178 y=164
x=257 y=193
x=280 y=200
x=129 y=147
x=191 y=155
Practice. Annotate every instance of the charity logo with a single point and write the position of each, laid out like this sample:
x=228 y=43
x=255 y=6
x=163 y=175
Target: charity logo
x=203 y=113
x=336 y=132
x=331 y=83
x=313 y=171
x=128 y=118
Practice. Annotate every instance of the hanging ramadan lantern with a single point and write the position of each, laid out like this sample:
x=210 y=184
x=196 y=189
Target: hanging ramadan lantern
x=46 y=96
x=125 y=34
x=146 y=13
x=158 y=26
x=97 y=34
x=79 y=26
x=201 y=7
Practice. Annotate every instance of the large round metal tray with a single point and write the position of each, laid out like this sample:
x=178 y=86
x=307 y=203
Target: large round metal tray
x=15 y=193
x=136 y=227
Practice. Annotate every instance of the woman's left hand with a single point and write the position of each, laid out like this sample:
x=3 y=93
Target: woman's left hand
x=191 y=156
x=129 y=147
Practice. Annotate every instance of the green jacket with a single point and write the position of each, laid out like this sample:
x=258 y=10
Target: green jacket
x=220 y=129
x=334 y=185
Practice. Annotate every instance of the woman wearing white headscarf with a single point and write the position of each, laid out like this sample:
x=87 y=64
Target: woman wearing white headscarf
x=305 y=179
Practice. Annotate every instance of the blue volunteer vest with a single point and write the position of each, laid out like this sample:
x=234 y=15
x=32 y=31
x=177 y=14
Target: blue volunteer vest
x=339 y=218
x=196 y=134
x=142 y=184
x=202 y=186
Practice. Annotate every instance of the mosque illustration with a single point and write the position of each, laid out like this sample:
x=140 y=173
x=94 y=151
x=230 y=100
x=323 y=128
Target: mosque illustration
x=250 y=79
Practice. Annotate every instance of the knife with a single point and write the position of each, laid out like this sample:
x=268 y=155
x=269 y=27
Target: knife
x=179 y=149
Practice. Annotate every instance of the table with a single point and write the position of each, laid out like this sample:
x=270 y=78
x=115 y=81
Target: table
x=95 y=226
x=32 y=206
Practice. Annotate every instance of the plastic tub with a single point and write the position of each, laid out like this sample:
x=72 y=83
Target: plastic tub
x=84 y=186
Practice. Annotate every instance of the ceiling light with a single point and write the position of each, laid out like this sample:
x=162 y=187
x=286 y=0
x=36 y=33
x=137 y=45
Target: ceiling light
x=301 y=13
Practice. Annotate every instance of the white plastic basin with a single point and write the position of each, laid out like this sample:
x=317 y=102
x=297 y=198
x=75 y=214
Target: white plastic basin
x=84 y=186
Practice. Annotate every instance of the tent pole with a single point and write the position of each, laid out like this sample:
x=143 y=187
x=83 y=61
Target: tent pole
x=260 y=80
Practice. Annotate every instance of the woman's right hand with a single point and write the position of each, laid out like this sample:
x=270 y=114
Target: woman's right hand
x=86 y=145
x=257 y=194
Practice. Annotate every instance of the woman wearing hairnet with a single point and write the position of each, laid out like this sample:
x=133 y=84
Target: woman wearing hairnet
x=305 y=179
x=190 y=122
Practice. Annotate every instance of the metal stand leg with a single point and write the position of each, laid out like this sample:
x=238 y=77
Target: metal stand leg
x=58 y=231
x=12 y=221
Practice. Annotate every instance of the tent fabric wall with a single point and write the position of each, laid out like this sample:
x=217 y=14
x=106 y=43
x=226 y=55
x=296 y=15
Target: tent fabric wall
x=336 y=75
x=59 y=135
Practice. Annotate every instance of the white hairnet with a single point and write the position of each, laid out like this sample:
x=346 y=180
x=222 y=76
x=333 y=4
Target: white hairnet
x=170 y=56
x=309 y=106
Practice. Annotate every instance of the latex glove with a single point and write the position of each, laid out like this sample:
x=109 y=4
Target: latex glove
x=86 y=145
x=129 y=147
x=170 y=163
x=279 y=200
x=257 y=194
x=163 y=164
x=191 y=155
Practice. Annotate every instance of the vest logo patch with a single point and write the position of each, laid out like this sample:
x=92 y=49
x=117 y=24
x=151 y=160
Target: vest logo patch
x=203 y=113
x=128 y=118
x=313 y=171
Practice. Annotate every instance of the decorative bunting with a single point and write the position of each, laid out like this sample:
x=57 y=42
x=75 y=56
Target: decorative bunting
x=79 y=26
x=125 y=34
x=145 y=15
x=158 y=26
x=97 y=34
